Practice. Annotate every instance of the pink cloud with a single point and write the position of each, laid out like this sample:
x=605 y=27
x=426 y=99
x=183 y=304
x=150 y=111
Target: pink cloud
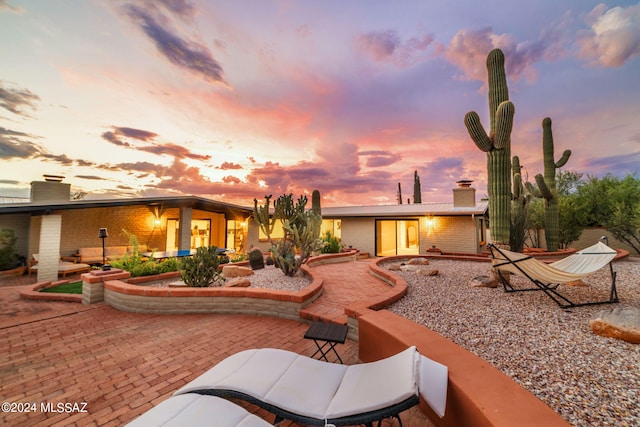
x=468 y=50
x=386 y=46
x=614 y=36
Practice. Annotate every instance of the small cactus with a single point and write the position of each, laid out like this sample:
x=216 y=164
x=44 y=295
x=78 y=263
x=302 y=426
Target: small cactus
x=256 y=259
x=201 y=269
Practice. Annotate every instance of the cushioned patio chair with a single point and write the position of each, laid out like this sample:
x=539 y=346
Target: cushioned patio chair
x=547 y=277
x=64 y=266
x=313 y=392
x=197 y=410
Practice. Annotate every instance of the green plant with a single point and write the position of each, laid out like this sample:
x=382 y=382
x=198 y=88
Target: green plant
x=256 y=259
x=497 y=145
x=301 y=230
x=8 y=256
x=519 y=208
x=66 y=288
x=331 y=244
x=201 y=269
x=547 y=187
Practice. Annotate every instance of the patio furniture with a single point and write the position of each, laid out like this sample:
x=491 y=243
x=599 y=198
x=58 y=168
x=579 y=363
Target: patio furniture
x=313 y=392
x=197 y=410
x=326 y=334
x=547 y=277
x=64 y=267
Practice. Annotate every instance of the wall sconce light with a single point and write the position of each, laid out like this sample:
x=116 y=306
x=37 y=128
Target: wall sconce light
x=103 y=234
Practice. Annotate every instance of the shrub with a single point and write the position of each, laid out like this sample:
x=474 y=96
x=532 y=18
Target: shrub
x=8 y=257
x=331 y=244
x=201 y=270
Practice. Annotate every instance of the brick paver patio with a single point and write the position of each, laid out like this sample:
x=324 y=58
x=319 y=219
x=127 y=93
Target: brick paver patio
x=122 y=364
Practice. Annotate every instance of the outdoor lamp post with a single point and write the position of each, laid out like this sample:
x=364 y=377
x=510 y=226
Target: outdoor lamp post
x=102 y=233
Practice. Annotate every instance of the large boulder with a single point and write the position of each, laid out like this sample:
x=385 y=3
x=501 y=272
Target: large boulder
x=620 y=323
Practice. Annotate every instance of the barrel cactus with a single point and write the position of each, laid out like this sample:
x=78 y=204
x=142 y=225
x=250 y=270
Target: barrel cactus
x=547 y=186
x=497 y=145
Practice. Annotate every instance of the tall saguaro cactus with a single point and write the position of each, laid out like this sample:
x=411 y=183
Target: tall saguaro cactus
x=417 y=191
x=547 y=186
x=497 y=145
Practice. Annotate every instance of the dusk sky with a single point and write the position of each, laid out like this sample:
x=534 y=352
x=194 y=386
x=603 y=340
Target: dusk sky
x=233 y=100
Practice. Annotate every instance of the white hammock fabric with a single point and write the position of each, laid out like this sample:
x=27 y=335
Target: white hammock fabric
x=574 y=267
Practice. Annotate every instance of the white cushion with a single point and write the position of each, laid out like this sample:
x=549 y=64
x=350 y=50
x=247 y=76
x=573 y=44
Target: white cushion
x=376 y=385
x=307 y=387
x=197 y=410
x=433 y=382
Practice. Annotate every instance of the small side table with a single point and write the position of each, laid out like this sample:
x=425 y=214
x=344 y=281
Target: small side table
x=327 y=334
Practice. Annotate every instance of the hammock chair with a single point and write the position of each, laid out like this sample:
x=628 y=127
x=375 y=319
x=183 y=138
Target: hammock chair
x=547 y=277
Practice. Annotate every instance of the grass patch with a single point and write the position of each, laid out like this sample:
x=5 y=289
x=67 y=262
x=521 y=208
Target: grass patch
x=67 y=288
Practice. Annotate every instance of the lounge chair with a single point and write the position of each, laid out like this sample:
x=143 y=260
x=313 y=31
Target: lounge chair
x=313 y=392
x=197 y=410
x=547 y=277
x=64 y=266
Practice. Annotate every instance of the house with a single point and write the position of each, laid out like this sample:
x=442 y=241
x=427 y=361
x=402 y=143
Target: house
x=412 y=229
x=51 y=225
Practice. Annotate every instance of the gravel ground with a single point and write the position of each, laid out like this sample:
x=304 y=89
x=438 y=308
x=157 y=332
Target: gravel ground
x=588 y=379
x=268 y=277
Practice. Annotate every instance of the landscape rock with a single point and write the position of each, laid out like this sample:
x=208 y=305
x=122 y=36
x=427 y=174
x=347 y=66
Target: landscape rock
x=620 y=323
x=483 y=282
x=426 y=272
x=229 y=271
x=237 y=282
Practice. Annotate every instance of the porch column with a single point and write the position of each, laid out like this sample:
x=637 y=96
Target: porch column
x=49 y=248
x=184 y=236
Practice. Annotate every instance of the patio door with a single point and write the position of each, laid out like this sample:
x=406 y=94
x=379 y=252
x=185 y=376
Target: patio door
x=200 y=233
x=397 y=237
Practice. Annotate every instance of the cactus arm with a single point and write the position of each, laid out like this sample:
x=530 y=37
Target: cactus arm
x=504 y=124
x=564 y=159
x=543 y=188
x=477 y=132
x=532 y=190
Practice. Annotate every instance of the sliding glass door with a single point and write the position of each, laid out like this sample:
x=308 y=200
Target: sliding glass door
x=397 y=237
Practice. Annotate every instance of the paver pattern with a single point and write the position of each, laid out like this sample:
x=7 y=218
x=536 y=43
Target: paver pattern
x=122 y=364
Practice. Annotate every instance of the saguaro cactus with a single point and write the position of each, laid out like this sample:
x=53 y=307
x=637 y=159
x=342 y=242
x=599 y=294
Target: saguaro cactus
x=417 y=191
x=547 y=186
x=497 y=145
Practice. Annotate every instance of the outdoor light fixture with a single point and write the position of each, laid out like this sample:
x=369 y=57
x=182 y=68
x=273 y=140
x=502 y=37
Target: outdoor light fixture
x=102 y=233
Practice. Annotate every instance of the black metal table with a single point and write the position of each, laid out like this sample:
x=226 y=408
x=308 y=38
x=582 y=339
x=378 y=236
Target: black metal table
x=327 y=334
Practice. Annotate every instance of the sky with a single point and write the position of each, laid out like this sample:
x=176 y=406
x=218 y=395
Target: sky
x=234 y=100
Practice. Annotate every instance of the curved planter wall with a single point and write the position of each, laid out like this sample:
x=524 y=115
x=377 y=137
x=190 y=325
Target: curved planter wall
x=146 y=299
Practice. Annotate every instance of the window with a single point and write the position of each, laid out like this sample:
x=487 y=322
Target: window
x=200 y=233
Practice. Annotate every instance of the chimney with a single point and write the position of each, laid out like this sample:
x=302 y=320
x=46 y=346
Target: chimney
x=52 y=189
x=464 y=196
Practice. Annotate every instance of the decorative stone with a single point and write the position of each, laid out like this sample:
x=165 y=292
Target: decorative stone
x=483 y=282
x=418 y=261
x=237 y=282
x=393 y=267
x=577 y=283
x=620 y=323
x=425 y=272
x=229 y=271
